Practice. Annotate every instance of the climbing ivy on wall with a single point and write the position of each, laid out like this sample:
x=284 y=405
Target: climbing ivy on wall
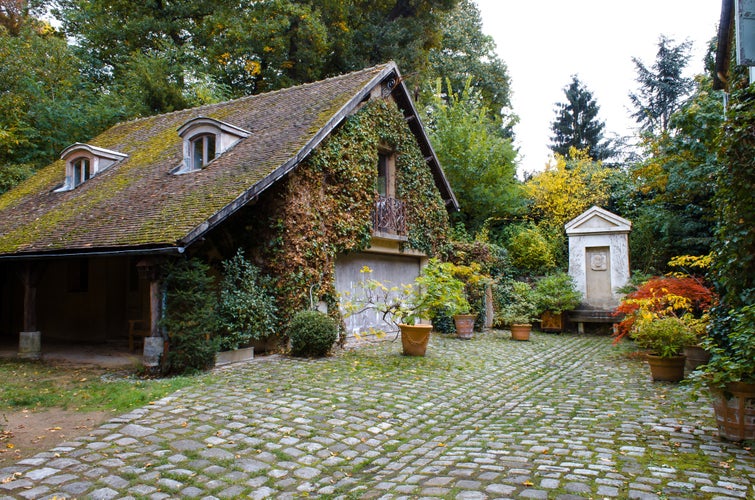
x=734 y=249
x=323 y=208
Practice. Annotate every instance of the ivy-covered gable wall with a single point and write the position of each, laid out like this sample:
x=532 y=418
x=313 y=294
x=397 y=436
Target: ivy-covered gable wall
x=323 y=209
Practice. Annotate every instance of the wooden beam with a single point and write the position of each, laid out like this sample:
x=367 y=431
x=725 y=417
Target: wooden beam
x=30 y=274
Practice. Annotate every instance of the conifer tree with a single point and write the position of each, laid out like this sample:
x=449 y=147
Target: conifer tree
x=663 y=89
x=577 y=125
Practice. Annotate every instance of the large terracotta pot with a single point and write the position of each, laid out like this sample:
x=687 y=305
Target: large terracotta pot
x=520 y=332
x=414 y=339
x=735 y=411
x=464 y=325
x=669 y=369
x=696 y=356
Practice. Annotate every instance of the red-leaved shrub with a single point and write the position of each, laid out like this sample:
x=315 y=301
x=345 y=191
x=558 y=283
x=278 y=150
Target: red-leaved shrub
x=661 y=296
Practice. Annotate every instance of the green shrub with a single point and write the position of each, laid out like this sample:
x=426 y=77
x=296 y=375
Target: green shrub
x=735 y=362
x=443 y=322
x=312 y=333
x=665 y=337
x=556 y=293
x=188 y=319
x=246 y=309
x=530 y=252
x=513 y=303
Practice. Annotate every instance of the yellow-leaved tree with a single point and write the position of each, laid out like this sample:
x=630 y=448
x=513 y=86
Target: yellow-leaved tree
x=566 y=189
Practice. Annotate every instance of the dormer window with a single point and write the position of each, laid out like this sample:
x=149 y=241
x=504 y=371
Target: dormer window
x=202 y=150
x=204 y=139
x=84 y=162
x=81 y=171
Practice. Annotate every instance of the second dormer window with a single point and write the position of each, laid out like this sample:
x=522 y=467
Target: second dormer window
x=204 y=139
x=81 y=170
x=202 y=150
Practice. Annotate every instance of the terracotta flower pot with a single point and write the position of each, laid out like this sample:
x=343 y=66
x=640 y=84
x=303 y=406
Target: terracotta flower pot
x=696 y=356
x=414 y=339
x=520 y=332
x=735 y=411
x=464 y=325
x=669 y=369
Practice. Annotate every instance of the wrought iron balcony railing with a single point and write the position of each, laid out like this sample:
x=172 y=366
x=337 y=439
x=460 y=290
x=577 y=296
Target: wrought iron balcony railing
x=389 y=216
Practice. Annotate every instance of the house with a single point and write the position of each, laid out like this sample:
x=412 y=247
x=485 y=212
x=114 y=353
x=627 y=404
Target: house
x=313 y=182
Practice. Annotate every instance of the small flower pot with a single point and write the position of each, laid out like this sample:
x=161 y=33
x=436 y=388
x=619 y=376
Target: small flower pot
x=520 y=332
x=414 y=339
x=670 y=369
x=464 y=325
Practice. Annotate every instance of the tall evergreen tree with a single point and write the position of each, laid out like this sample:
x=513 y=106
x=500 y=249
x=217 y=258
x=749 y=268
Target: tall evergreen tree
x=663 y=88
x=577 y=125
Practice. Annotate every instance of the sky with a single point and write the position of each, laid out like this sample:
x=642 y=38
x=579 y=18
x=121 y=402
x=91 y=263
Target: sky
x=545 y=42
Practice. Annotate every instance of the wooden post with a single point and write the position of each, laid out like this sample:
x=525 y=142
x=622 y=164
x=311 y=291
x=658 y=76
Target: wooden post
x=149 y=269
x=30 y=339
x=154 y=345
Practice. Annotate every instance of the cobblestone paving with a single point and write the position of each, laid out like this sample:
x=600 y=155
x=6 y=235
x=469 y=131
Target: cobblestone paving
x=559 y=417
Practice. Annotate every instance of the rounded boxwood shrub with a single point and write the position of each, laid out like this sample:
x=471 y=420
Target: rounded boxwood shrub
x=312 y=333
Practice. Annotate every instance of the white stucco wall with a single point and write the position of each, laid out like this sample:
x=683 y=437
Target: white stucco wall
x=618 y=245
x=599 y=228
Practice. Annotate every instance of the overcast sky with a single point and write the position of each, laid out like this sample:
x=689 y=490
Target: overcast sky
x=544 y=42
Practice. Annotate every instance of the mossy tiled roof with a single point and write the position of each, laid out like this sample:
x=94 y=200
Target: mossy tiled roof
x=138 y=203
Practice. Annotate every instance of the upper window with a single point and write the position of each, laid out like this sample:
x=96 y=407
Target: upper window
x=202 y=150
x=84 y=162
x=204 y=139
x=386 y=173
x=81 y=171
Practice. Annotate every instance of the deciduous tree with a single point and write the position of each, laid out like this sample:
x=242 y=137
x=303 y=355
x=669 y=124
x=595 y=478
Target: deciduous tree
x=478 y=160
x=567 y=188
x=44 y=104
x=466 y=54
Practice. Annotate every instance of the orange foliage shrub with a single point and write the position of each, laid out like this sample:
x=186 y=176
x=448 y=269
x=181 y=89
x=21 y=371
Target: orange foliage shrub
x=665 y=296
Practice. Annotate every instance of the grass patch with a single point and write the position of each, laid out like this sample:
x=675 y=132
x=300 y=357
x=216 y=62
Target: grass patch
x=36 y=385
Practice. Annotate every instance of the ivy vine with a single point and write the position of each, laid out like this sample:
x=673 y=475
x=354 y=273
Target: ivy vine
x=323 y=209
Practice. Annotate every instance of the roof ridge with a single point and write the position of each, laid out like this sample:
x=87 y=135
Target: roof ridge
x=210 y=106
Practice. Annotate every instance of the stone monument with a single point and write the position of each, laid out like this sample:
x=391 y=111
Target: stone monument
x=599 y=257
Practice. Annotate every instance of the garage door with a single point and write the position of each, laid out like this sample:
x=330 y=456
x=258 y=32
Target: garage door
x=391 y=270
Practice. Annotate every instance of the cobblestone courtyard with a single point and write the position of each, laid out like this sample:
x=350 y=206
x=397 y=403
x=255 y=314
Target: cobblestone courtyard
x=561 y=416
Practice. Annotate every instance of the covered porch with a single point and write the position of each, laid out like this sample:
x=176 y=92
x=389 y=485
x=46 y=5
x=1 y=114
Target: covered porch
x=76 y=307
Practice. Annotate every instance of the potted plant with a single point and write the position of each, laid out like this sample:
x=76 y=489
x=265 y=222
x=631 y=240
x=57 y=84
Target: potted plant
x=554 y=294
x=519 y=311
x=665 y=337
x=695 y=352
x=435 y=289
x=730 y=373
x=246 y=310
x=471 y=278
